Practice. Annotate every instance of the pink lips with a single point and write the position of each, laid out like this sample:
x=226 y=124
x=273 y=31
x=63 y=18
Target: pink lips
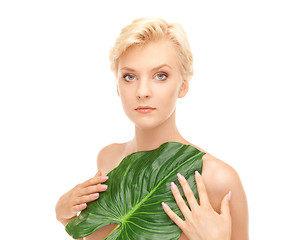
x=144 y=109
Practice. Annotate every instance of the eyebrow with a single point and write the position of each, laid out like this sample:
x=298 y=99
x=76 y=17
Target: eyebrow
x=154 y=69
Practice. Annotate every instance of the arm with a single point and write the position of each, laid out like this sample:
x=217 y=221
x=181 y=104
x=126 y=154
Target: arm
x=221 y=178
x=239 y=211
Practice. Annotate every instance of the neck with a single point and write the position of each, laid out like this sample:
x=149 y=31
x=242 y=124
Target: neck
x=149 y=139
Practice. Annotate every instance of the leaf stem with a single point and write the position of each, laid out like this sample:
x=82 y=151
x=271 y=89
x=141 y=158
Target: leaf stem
x=118 y=225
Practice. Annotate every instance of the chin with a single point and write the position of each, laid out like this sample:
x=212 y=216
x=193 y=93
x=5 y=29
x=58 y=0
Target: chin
x=147 y=124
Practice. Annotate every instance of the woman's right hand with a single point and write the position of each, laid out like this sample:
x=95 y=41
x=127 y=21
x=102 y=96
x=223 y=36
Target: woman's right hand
x=77 y=198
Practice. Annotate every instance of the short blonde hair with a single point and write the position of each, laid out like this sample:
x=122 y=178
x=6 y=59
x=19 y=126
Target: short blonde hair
x=144 y=30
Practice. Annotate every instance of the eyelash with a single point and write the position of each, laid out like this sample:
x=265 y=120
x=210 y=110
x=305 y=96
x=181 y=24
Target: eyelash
x=161 y=73
x=126 y=75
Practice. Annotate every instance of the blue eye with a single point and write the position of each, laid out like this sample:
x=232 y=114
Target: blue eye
x=161 y=76
x=128 y=77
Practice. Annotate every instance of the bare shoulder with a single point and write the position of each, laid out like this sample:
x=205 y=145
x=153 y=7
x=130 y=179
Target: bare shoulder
x=220 y=178
x=218 y=174
x=110 y=156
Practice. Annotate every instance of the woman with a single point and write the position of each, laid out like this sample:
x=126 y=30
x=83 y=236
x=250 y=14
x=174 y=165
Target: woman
x=152 y=62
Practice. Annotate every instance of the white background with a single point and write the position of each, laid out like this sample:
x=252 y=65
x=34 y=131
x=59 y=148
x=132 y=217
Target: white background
x=246 y=104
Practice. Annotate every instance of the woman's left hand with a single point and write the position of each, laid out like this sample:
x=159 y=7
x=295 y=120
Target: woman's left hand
x=201 y=221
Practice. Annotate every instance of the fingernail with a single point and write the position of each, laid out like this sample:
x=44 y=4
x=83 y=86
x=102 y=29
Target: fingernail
x=180 y=177
x=197 y=174
x=163 y=205
x=104 y=178
x=229 y=195
x=173 y=185
x=95 y=195
x=104 y=187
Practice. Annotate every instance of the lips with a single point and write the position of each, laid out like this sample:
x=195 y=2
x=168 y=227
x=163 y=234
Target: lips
x=144 y=109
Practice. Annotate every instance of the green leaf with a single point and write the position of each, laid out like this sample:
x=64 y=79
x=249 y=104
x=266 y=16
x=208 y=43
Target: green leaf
x=136 y=189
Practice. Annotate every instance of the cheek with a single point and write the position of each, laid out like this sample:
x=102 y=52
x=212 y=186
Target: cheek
x=125 y=96
x=168 y=96
x=172 y=90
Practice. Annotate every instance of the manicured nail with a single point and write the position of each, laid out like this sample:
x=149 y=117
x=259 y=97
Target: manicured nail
x=163 y=205
x=197 y=174
x=95 y=195
x=173 y=185
x=229 y=195
x=180 y=177
x=104 y=187
x=104 y=178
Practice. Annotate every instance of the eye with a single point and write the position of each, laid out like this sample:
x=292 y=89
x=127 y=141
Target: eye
x=128 y=77
x=161 y=76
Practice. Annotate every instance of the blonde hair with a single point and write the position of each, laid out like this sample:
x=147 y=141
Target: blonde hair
x=144 y=30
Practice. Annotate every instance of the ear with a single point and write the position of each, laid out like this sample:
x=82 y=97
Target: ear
x=183 y=89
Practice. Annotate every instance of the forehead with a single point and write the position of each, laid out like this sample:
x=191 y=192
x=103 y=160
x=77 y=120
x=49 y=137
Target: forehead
x=150 y=55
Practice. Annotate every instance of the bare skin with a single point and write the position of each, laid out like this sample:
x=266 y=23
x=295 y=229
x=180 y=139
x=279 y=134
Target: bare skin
x=219 y=178
x=142 y=71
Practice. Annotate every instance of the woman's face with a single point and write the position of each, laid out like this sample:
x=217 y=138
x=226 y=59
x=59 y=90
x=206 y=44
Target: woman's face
x=149 y=76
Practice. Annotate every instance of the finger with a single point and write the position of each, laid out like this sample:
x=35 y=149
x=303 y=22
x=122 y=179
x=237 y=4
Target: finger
x=202 y=191
x=176 y=219
x=93 y=189
x=225 y=205
x=93 y=181
x=77 y=208
x=86 y=199
x=179 y=200
x=187 y=192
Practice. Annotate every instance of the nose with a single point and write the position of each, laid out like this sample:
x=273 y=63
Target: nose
x=143 y=89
